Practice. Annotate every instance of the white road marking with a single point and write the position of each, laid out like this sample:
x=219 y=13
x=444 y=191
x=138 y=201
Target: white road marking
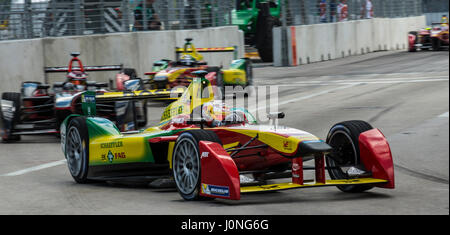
x=359 y=81
x=308 y=96
x=35 y=168
x=444 y=115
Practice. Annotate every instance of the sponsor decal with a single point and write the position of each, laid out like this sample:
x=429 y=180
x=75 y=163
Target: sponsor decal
x=214 y=190
x=110 y=156
x=88 y=98
x=295 y=167
x=113 y=156
x=115 y=144
x=204 y=154
x=172 y=112
x=287 y=145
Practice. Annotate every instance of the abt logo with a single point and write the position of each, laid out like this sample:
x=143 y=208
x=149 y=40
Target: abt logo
x=204 y=155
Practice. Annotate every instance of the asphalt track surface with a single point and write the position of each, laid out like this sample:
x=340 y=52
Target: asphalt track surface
x=406 y=95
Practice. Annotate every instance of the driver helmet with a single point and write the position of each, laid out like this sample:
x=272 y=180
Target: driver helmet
x=187 y=60
x=68 y=86
x=77 y=77
x=444 y=19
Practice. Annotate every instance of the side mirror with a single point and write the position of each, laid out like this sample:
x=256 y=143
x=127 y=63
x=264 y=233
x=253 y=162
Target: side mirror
x=276 y=115
x=101 y=85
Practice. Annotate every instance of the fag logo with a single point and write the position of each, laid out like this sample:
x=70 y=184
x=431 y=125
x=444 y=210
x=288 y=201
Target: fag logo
x=204 y=155
x=110 y=156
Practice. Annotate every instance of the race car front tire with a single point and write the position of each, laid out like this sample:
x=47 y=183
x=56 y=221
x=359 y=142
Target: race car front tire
x=16 y=99
x=436 y=44
x=186 y=162
x=412 y=48
x=77 y=149
x=343 y=137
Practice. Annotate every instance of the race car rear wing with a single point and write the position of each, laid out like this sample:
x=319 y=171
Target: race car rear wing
x=65 y=69
x=190 y=48
x=139 y=95
x=75 y=60
x=89 y=99
x=180 y=50
x=207 y=49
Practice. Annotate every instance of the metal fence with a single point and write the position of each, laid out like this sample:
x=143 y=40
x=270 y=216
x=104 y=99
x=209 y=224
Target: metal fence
x=432 y=6
x=301 y=12
x=42 y=18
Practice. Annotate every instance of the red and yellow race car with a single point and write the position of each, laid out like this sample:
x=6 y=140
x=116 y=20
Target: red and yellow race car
x=211 y=150
x=433 y=38
x=168 y=74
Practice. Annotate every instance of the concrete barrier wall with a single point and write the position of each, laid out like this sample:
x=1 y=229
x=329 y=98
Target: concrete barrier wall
x=20 y=60
x=320 y=42
x=25 y=60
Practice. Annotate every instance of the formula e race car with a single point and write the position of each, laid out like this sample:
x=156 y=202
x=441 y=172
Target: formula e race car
x=433 y=38
x=36 y=110
x=168 y=74
x=214 y=151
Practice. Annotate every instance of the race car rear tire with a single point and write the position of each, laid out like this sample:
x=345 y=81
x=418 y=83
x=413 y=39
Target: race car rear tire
x=264 y=37
x=220 y=87
x=142 y=123
x=343 y=137
x=16 y=99
x=77 y=149
x=249 y=72
x=186 y=162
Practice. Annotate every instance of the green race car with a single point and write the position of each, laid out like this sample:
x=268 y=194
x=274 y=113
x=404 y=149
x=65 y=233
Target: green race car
x=211 y=150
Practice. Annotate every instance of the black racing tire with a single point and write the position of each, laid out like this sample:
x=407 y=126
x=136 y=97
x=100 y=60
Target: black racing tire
x=436 y=44
x=415 y=42
x=264 y=38
x=77 y=149
x=249 y=72
x=16 y=98
x=188 y=175
x=142 y=123
x=220 y=86
x=343 y=137
x=249 y=77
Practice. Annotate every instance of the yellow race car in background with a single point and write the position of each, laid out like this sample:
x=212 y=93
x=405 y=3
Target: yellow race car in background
x=168 y=74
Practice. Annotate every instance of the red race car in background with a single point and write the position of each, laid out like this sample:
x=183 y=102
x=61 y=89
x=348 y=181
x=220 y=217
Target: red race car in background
x=37 y=110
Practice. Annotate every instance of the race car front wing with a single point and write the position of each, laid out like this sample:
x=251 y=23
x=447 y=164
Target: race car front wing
x=220 y=177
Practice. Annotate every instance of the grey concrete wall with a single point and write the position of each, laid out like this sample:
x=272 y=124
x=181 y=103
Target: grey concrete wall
x=24 y=60
x=20 y=60
x=320 y=42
